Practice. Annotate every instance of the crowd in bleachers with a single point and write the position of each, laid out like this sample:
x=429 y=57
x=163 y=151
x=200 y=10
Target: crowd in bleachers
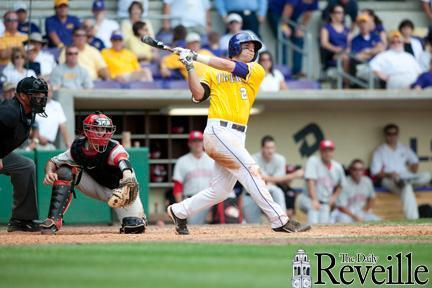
x=110 y=53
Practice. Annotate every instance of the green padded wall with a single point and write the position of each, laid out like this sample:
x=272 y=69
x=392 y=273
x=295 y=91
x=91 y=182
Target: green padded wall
x=6 y=191
x=83 y=210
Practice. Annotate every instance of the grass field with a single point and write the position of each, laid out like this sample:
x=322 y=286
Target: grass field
x=174 y=264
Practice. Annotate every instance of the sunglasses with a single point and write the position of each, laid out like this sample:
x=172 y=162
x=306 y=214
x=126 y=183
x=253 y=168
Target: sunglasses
x=19 y=57
x=80 y=35
x=11 y=20
x=72 y=53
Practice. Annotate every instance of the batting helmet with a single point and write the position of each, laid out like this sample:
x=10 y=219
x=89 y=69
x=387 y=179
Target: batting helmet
x=234 y=46
x=98 y=129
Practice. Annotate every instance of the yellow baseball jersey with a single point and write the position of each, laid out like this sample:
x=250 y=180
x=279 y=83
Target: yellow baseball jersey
x=232 y=97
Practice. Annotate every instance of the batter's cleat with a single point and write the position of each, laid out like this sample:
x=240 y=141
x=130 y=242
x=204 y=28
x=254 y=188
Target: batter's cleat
x=180 y=224
x=48 y=227
x=292 y=226
x=22 y=225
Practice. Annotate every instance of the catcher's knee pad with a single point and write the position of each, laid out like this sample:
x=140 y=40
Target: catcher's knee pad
x=133 y=225
x=61 y=198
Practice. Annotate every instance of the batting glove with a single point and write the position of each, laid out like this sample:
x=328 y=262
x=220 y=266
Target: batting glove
x=187 y=58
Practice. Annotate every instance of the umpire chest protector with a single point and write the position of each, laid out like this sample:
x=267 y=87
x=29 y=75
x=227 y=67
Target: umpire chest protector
x=97 y=165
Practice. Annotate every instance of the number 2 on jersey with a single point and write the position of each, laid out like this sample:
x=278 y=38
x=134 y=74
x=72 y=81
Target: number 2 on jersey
x=243 y=93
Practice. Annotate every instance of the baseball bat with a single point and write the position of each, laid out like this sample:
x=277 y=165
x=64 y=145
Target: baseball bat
x=156 y=44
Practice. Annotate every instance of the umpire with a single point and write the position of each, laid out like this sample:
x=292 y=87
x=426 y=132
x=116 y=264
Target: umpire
x=16 y=118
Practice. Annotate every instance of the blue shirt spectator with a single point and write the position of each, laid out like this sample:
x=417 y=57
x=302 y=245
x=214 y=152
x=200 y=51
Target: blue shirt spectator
x=350 y=7
x=367 y=43
x=302 y=6
x=23 y=24
x=97 y=43
x=423 y=81
x=361 y=42
x=59 y=27
x=252 y=12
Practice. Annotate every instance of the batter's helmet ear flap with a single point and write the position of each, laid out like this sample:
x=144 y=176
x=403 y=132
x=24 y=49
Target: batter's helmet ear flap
x=234 y=45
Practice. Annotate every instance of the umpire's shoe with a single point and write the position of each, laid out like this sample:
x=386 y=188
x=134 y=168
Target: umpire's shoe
x=22 y=225
x=180 y=224
x=292 y=226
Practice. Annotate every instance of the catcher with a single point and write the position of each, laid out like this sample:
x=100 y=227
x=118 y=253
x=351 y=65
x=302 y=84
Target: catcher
x=99 y=167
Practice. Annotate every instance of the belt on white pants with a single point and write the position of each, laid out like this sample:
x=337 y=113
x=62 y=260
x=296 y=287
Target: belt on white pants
x=228 y=124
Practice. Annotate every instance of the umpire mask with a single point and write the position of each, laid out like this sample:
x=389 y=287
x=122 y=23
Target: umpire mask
x=36 y=90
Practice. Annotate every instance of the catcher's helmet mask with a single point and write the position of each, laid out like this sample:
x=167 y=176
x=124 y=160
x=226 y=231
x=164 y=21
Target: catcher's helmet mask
x=98 y=129
x=234 y=46
x=33 y=87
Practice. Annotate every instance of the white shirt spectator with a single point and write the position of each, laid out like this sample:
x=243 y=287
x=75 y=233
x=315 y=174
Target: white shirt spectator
x=193 y=173
x=190 y=13
x=104 y=30
x=400 y=66
x=393 y=161
x=417 y=47
x=274 y=167
x=123 y=6
x=46 y=61
x=355 y=195
x=271 y=82
x=327 y=178
x=14 y=76
x=424 y=61
x=76 y=77
x=48 y=127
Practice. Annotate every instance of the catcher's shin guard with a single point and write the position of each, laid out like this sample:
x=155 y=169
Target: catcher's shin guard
x=61 y=198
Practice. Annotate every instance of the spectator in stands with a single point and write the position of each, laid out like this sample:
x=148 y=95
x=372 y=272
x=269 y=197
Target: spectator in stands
x=396 y=165
x=192 y=173
x=425 y=56
x=397 y=68
x=252 y=12
x=31 y=62
x=324 y=181
x=60 y=27
x=144 y=52
x=377 y=26
x=357 y=198
x=274 y=80
x=45 y=59
x=172 y=62
x=11 y=38
x=194 y=15
x=2 y=28
x=89 y=57
x=272 y=168
x=49 y=126
x=299 y=12
x=213 y=44
x=123 y=65
x=24 y=26
x=234 y=24
x=334 y=39
x=136 y=11
x=424 y=80
x=123 y=6
x=15 y=70
x=89 y=26
x=427 y=8
x=179 y=36
x=104 y=27
x=70 y=74
x=349 y=6
x=8 y=91
x=412 y=45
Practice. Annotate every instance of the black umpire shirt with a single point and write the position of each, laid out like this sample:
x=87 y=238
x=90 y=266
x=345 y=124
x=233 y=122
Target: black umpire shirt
x=14 y=126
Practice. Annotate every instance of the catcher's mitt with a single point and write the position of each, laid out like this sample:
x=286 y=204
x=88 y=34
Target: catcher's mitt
x=125 y=194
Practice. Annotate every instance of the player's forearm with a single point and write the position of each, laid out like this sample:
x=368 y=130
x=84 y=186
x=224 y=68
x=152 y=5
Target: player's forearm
x=414 y=168
x=311 y=189
x=347 y=212
x=195 y=86
x=50 y=167
x=216 y=62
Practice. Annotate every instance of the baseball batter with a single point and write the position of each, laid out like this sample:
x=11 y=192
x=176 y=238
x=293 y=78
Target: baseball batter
x=231 y=85
x=100 y=168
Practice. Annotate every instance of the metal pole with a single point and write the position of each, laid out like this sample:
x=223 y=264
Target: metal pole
x=340 y=73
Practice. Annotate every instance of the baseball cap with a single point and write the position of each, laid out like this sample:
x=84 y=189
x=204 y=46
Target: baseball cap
x=326 y=144
x=363 y=18
x=19 y=6
x=9 y=86
x=116 y=35
x=58 y=3
x=234 y=17
x=98 y=5
x=395 y=34
x=193 y=37
x=196 y=135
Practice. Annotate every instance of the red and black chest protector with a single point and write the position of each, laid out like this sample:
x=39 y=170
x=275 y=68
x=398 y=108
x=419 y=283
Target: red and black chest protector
x=97 y=165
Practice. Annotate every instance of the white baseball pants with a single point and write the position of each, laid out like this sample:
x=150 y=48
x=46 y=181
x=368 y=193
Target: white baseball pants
x=233 y=162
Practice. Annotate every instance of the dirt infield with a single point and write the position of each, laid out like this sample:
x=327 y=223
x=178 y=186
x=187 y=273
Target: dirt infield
x=248 y=234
